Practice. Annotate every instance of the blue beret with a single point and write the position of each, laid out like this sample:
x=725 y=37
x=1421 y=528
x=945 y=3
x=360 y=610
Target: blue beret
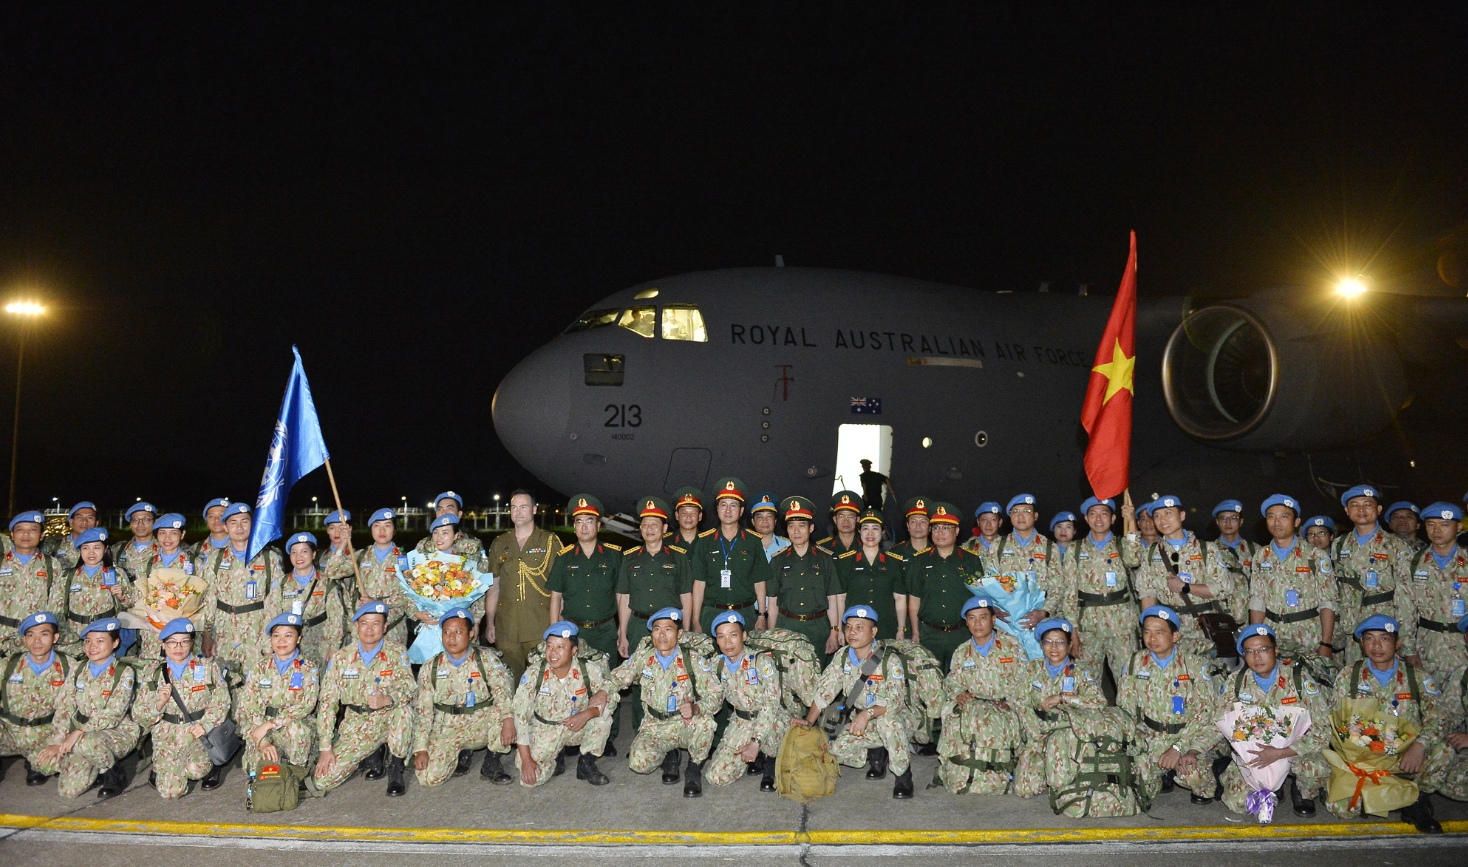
x=31 y=517
x=448 y=495
x=978 y=600
x=370 y=607
x=96 y=534
x=1251 y=631
x=457 y=611
x=1061 y=517
x=866 y=612
x=1228 y=506
x=1321 y=521
x=669 y=613
x=1399 y=505
x=1446 y=511
x=176 y=626
x=1109 y=503
x=169 y=521
x=140 y=507
x=217 y=501
x=987 y=508
x=561 y=629
x=84 y=504
x=106 y=624
x=36 y=620
x=1146 y=508
x=726 y=617
x=235 y=509
x=1060 y=623
x=449 y=520
x=338 y=517
x=1166 y=502
x=1020 y=500
x=1163 y=613
x=298 y=538
x=382 y=515
x=1377 y=623
x=286 y=619
x=1280 y=500
x=1360 y=491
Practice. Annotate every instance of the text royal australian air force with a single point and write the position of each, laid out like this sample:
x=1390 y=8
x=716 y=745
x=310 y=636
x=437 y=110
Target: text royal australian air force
x=915 y=345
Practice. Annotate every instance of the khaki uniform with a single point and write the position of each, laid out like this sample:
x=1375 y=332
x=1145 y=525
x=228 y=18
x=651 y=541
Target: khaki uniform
x=939 y=586
x=1202 y=562
x=348 y=681
x=25 y=588
x=744 y=559
x=1097 y=595
x=981 y=742
x=241 y=599
x=1409 y=692
x=688 y=679
x=97 y=706
x=28 y=703
x=1048 y=757
x=1173 y=708
x=323 y=604
x=875 y=584
x=380 y=582
x=752 y=689
x=460 y=707
x=1440 y=596
x=524 y=602
x=178 y=757
x=285 y=698
x=1374 y=578
x=1448 y=767
x=1291 y=593
x=84 y=599
x=543 y=702
x=802 y=587
x=1290 y=687
x=885 y=687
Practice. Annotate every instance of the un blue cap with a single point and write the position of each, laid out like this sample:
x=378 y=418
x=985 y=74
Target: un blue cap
x=370 y=607
x=727 y=617
x=1399 y=505
x=1360 y=491
x=286 y=619
x=383 y=515
x=84 y=504
x=140 y=507
x=987 y=508
x=1166 y=502
x=978 y=600
x=235 y=509
x=96 y=534
x=31 y=517
x=1280 y=500
x=457 y=611
x=1446 y=511
x=106 y=624
x=1045 y=626
x=1109 y=503
x=1060 y=518
x=1321 y=521
x=217 y=501
x=1146 y=508
x=561 y=629
x=866 y=612
x=301 y=537
x=1253 y=630
x=448 y=520
x=176 y=626
x=1228 y=506
x=1377 y=623
x=448 y=495
x=37 y=619
x=1020 y=500
x=669 y=613
x=338 y=517
x=1163 y=613
x=169 y=521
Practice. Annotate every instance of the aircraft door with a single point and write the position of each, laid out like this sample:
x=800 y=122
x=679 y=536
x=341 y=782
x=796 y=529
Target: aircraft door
x=858 y=442
x=687 y=467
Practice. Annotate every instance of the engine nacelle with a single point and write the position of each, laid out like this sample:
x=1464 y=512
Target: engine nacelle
x=1268 y=376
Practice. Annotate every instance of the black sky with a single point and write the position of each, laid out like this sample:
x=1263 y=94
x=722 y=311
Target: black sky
x=420 y=198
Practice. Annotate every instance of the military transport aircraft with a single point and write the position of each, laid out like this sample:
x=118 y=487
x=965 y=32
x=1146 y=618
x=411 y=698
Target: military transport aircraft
x=788 y=377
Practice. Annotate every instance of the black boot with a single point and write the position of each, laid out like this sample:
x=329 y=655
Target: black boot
x=213 y=779
x=587 y=770
x=930 y=749
x=610 y=750
x=372 y=766
x=1419 y=815
x=876 y=763
x=395 y=784
x=670 y=768
x=756 y=766
x=1303 y=806
x=34 y=777
x=902 y=789
x=767 y=780
x=113 y=782
x=1167 y=781
x=693 y=779
x=153 y=779
x=493 y=771
x=560 y=763
x=464 y=762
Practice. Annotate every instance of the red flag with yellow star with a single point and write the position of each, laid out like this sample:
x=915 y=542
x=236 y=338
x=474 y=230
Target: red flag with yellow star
x=1107 y=414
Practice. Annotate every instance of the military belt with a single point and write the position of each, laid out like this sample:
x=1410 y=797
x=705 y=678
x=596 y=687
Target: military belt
x=1047 y=715
x=543 y=721
x=744 y=714
x=592 y=624
x=1202 y=607
x=84 y=619
x=1436 y=625
x=1378 y=598
x=804 y=618
x=27 y=723
x=362 y=708
x=317 y=620
x=9 y=621
x=247 y=608
x=660 y=715
x=1307 y=614
x=272 y=712
x=1101 y=600
x=1161 y=728
x=951 y=628
x=639 y=614
x=459 y=710
x=737 y=606
x=178 y=719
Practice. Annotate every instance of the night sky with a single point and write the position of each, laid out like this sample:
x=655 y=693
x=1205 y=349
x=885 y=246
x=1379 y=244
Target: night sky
x=418 y=199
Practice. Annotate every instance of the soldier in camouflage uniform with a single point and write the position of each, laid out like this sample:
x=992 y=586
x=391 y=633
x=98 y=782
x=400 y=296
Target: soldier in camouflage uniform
x=380 y=566
x=472 y=550
x=178 y=756
x=218 y=538
x=566 y=702
x=804 y=590
x=336 y=563
x=62 y=547
x=1184 y=573
x=1373 y=570
x=170 y=554
x=871 y=688
x=277 y=700
x=652 y=576
x=518 y=603
x=728 y=564
x=1173 y=704
x=1294 y=589
x=30 y=691
x=1096 y=592
x=1439 y=589
x=465 y=702
x=1241 y=553
x=988 y=519
x=29 y=579
x=846 y=506
x=583 y=582
x=1448 y=764
x=1405 y=520
x=938 y=582
x=1024 y=552
x=1266 y=681
x=92 y=730
x=130 y=554
x=372 y=679
x=321 y=602
x=243 y=591
x=749 y=683
x=985 y=695
x=1057 y=685
x=1320 y=531
x=92 y=590
x=875 y=578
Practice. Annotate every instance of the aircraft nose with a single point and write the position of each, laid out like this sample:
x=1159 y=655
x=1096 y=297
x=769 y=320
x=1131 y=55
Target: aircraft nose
x=532 y=409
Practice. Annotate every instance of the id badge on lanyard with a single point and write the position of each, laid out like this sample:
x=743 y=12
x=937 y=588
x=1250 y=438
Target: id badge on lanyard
x=251 y=589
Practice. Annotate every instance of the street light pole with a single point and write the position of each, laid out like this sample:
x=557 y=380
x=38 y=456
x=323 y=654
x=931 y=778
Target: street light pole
x=24 y=309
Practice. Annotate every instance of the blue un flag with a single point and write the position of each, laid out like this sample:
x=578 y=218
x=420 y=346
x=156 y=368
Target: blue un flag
x=296 y=448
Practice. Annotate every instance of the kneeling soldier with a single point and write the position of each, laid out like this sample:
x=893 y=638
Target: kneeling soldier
x=464 y=703
x=92 y=730
x=28 y=694
x=749 y=683
x=373 y=680
x=566 y=702
x=872 y=690
x=277 y=699
x=196 y=683
x=984 y=694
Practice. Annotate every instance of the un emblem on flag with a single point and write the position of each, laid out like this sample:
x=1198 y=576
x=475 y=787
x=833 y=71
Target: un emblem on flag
x=274 y=477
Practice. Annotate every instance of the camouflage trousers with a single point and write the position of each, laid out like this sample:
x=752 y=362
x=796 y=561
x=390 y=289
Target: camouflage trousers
x=360 y=734
x=727 y=765
x=24 y=740
x=546 y=742
x=1442 y=652
x=1311 y=774
x=1149 y=773
x=470 y=731
x=177 y=758
x=295 y=742
x=321 y=641
x=888 y=731
x=239 y=642
x=1045 y=762
x=96 y=752
x=1445 y=771
x=1109 y=634
x=977 y=749
x=656 y=738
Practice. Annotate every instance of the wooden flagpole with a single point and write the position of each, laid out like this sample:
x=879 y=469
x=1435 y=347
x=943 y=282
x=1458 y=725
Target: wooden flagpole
x=356 y=570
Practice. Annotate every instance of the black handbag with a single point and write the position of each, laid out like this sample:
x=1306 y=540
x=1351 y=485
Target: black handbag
x=220 y=742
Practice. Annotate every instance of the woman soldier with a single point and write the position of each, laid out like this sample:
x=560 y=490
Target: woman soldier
x=92 y=590
x=92 y=730
x=198 y=684
x=320 y=602
x=1057 y=685
x=168 y=531
x=380 y=566
x=278 y=700
x=875 y=578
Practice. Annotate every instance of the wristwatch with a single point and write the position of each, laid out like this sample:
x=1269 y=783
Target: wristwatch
x=1187 y=588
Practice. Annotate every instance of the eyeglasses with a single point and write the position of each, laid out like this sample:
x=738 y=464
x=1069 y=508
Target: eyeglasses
x=1258 y=651
x=1056 y=642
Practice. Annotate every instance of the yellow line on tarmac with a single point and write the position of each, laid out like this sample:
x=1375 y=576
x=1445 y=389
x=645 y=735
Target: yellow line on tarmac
x=550 y=836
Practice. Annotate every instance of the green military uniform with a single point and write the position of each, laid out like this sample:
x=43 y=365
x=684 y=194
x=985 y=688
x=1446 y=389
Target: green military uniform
x=543 y=702
x=461 y=705
x=1372 y=577
x=1096 y=594
x=1440 y=594
x=28 y=700
x=729 y=570
x=25 y=587
x=1288 y=686
x=843 y=501
x=284 y=694
x=939 y=586
x=803 y=586
x=98 y=706
x=1291 y=592
x=980 y=743
x=875 y=583
x=178 y=756
x=350 y=678
x=1048 y=759
x=588 y=586
x=652 y=581
x=1409 y=693
x=524 y=601
x=1174 y=705
x=920 y=505
x=1198 y=562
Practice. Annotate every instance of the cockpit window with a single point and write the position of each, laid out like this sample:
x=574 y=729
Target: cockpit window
x=639 y=320
x=594 y=319
x=683 y=322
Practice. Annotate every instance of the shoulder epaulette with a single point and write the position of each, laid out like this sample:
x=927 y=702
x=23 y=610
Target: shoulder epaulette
x=676 y=548
x=668 y=535
x=898 y=557
x=628 y=552
x=610 y=545
x=566 y=550
x=819 y=547
x=825 y=541
x=707 y=533
x=852 y=553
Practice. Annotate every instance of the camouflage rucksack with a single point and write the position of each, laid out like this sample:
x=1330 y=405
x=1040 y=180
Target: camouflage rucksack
x=925 y=697
x=584 y=652
x=701 y=646
x=1105 y=782
x=795 y=659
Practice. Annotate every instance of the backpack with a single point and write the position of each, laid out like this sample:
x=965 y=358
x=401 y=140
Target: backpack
x=925 y=697
x=1105 y=783
x=805 y=769
x=275 y=788
x=795 y=658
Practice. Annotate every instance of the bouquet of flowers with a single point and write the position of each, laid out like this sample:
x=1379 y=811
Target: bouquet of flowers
x=170 y=593
x=1247 y=727
x=1367 y=741
x=434 y=584
x=1017 y=595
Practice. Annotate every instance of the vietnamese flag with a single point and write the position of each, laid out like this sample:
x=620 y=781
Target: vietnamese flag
x=1107 y=414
